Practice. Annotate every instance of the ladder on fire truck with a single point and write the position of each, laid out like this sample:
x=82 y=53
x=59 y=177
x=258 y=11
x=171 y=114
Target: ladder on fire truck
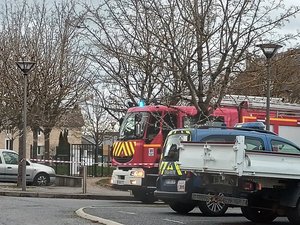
x=259 y=102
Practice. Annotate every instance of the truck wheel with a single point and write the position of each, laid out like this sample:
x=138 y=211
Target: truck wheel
x=144 y=196
x=258 y=215
x=182 y=208
x=213 y=207
x=294 y=214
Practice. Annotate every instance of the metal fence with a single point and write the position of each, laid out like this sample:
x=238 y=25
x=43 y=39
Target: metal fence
x=83 y=155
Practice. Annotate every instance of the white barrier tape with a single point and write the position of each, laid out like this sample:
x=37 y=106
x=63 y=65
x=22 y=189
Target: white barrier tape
x=116 y=164
x=60 y=161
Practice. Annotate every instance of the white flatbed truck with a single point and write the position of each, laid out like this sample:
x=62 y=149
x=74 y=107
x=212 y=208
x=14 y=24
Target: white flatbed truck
x=266 y=184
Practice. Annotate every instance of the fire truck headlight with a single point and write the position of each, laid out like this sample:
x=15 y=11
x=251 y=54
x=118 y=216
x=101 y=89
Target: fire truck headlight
x=137 y=173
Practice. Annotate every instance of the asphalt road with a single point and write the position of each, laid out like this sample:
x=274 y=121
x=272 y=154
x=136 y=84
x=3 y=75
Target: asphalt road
x=49 y=211
x=42 y=211
x=135 y=213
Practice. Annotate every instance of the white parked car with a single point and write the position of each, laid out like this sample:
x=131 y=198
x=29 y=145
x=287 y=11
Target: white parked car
x=36 y=174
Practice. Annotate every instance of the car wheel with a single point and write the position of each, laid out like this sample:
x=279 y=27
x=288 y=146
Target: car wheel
x=41 y=179
x=258 y=215
x=182 y=208
x=214 y=207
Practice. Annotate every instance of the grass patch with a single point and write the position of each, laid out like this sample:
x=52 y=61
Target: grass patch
x=104 y=182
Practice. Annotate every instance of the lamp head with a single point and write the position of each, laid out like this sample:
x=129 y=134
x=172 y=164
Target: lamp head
x=269 y=49
x=25 y=66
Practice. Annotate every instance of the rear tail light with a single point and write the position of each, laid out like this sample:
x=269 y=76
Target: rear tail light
x=250 y=186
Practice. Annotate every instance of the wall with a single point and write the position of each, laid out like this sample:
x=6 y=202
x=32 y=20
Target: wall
x=74 y=137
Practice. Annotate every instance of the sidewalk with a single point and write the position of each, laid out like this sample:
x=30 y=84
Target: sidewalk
x=93 y=191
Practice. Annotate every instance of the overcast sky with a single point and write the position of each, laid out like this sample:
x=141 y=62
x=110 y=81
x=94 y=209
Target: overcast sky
x=293 y=26
x=290 y=27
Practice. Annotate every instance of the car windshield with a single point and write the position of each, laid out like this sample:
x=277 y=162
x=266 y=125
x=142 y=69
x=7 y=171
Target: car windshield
x=172 y=145
x=133 y=126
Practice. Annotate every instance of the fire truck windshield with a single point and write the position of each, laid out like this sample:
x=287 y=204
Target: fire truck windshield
x=133 y=125
x=172 y=145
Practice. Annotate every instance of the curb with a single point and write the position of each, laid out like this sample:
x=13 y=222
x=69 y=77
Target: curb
x=95 y=219
x=63 y=195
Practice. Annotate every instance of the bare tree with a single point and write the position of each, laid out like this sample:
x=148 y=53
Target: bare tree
x=44 y=35
x=98 y=123
x=284 y=77
x=126 y=52
x=187 y=49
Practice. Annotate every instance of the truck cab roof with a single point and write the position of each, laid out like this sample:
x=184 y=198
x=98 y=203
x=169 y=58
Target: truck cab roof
x=256 y=140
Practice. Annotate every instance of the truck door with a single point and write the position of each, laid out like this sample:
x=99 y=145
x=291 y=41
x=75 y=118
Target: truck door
x=10 y=166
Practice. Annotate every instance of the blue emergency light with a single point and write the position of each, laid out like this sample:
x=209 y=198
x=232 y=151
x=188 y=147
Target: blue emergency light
x=252 y=125
x=142 y=103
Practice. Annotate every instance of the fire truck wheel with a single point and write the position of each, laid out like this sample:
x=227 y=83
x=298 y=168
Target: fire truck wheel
x=144 y=196
x=258 y=215
x=213 y=207
x=294 y=214
x=182 y=208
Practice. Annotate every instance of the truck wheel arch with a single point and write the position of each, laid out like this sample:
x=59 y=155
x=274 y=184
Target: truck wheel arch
x=290 y=196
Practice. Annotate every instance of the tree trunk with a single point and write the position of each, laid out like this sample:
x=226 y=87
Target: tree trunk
x=47 y=132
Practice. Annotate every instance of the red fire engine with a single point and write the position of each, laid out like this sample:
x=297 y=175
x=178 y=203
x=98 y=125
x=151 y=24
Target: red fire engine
x=137 y=153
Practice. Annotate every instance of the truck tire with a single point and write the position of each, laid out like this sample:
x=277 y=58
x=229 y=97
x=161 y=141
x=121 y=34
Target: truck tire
x=182 y=208
x=258 y=215
x=293 y=214
x=144 y=196
x=213 y=207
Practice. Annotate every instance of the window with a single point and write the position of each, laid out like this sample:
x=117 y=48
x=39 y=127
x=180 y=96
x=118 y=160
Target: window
x=40 y=150
x=192 y=121
x=133 y=126
x=169 y=123
x=252 y=143
x=10 y=158
x=8 y=144
x=153 y=125
x=255 y=144
x=39 y=132
x=173 y=142
x=219 y=138
x=283 y=147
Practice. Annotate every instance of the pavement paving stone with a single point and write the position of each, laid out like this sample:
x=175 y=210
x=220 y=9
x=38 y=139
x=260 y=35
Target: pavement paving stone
x=93 y=191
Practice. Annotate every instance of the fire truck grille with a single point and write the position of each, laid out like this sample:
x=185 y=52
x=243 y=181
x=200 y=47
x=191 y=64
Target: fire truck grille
x=123 y=159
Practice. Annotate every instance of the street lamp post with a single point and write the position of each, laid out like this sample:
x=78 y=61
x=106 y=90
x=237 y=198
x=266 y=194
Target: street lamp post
x=25 y=67
x=269 y=51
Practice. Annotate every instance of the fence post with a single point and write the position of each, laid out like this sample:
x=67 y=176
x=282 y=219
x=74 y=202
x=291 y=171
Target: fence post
x=84 y=180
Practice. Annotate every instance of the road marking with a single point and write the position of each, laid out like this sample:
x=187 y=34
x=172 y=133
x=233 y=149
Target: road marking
x=174 y=221
x=130 y=213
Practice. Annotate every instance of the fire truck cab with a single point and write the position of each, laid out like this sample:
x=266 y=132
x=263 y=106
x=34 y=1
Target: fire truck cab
x=137 y=152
